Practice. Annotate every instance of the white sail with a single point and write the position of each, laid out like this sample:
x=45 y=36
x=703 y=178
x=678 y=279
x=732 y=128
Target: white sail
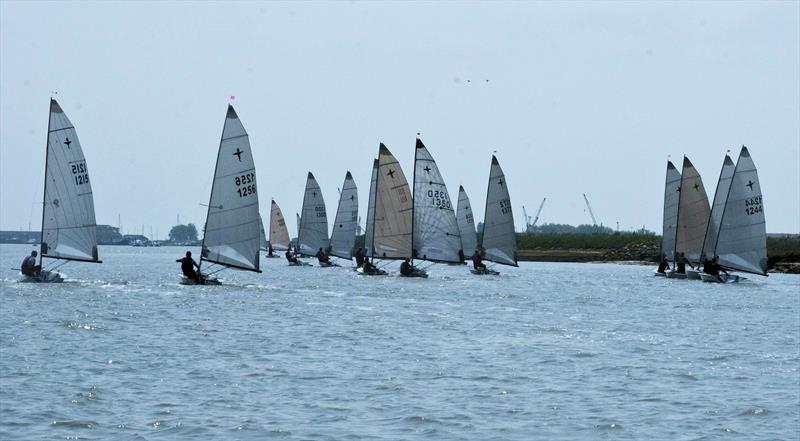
x=232 y=235
x=720 y=196
x=343 y=237
x=278 y=234
x=693 y=213
x=393 y=209
x=370 y=228
x=69 y=229
x=670 y=227
x=466 y=223
x=742 y=241
x=263 y=242
x=313 y=233
x=499 y=239
x=435 y=237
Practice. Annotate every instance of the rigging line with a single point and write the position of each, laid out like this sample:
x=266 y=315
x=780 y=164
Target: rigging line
x=215 y=272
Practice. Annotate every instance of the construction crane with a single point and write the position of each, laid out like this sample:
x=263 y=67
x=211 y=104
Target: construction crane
x=591 y=213
x=538 y=212
x=527 y=220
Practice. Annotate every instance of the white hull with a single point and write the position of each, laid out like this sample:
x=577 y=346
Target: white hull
x=676 y=275
x=722 y=278
x=327 y=264
x=44 y=277
x=377 y=272
x=417 y=273
x=693 y=274
x=658 y=274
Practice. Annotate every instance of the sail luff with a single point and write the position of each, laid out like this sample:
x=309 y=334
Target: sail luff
x=44 y=191
x=369 y=233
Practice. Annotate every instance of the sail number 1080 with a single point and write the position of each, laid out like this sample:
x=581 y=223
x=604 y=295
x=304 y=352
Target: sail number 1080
x=245 y=184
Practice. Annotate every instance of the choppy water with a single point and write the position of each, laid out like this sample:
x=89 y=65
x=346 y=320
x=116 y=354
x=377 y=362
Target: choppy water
x=546 y=351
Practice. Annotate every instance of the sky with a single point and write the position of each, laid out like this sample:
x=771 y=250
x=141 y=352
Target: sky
x=574 y=98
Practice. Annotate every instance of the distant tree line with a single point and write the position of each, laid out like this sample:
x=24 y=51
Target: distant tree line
x=183 y=233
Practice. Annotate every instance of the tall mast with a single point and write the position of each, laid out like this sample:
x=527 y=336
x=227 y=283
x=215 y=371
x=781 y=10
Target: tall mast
x=44 y=193
x=211 y=193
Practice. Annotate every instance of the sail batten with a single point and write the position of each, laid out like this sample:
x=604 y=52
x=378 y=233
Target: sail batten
x=393 y=209
x=436 y=235
x=278 y=232
x=69 y=229
x=313 y=232
x=499 y=240
x=233 y=225
x=343 y=237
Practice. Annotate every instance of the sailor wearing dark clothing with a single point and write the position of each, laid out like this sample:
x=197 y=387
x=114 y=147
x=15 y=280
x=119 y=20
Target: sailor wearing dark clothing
x=663 y=265
x=715 y=268
x=188 y=265
x=359 y=257
x=269 y=251
x=323 y=258
x=29 y=266
x=369 y=268
x=289 y=256
x=477 y=261
x=681 y=262
x=406 y=268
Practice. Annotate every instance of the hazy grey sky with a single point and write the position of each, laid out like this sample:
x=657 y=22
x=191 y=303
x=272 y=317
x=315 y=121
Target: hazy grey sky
x=581 y=98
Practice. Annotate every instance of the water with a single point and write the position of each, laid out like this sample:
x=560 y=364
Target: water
x=546 y=351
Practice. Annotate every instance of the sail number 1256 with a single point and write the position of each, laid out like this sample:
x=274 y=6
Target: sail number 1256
x=245 y=184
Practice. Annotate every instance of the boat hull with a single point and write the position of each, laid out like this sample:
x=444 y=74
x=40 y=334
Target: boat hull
x=376 y=272
x=658 y=274
x=485 y=272
x=693 y=274
x=676 y=275
x=720 y=278
x=210 y=281
x=416 y=274
x=43 y=277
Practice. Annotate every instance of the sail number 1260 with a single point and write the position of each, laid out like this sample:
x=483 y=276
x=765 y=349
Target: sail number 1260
x=245 y=184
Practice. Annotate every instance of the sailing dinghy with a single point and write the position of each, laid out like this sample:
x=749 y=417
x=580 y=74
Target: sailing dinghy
x=232 y=234
x=671 y=193
x=499 y=241
x=264 y=243
x=343 y=237
x=435 y=233
x=69 y=230
x=369 y=268
x=692 y=219
x=741 y=242
x=278 y=233
x=313 y=233
x=394 y=206
x=466 y=223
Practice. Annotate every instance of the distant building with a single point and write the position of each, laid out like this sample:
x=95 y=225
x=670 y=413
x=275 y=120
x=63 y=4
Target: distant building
x=108 y=235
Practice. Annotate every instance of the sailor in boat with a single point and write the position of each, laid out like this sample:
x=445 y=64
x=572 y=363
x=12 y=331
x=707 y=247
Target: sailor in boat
x=477 y=261
x=406 y=268
x=188 y=265
x=291 y=257
x=29 y=266
x=681 y=262
x=359 y=257
x=369 y=268
x=322 y=257
x=713 y=268
x=663 y=266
